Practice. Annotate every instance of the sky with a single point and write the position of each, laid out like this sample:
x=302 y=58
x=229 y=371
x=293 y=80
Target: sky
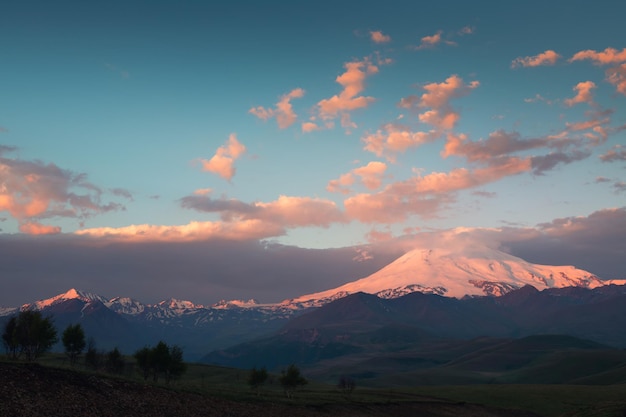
x=240 y=149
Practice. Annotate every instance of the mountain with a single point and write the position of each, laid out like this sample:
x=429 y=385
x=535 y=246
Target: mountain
x=525 y=335
x=473 y=271
x=436 y=280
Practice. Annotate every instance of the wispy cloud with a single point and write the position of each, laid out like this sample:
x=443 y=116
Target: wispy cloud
x=431 y=41
x=32 y=190
x=617 y=153
x=548 y=57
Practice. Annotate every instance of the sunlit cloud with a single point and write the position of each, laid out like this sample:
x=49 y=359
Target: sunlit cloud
x=498 y=143
x=617 y=153
x=548 y=57
x=610 y=56
x=241 y=230
x=433 y=40
x=370 y=175
x=308 y=127
x=287 y=211
x=34 y=228
x=283 y=112
x=427 y=196
x=583 y=94
x=353 y=83
x=394 y=139
x=222 y=163
x=379 y=37
x=606 y=57
x=37 y=190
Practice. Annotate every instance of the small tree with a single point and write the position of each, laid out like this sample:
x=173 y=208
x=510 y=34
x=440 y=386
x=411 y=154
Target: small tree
x=291 y=379
x=114 y=362
x=92 y=357
x=142 y=356
x=346 y=384
x=29 y=333
x=160 y=360
x=257 y=378
x=10 y=339
x=73 y=341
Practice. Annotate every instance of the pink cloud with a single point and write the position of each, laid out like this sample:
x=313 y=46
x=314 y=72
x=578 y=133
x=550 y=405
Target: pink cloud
x=308 y=127
x=241 y=230
x=583 y=94
x=548 y=57
x=353 y=83
x=35 y=190
x=393 y=139
x=426 y=196
x=341 y=184
x=432 y=41
x=34 y=228
x=287 y=212
x=606 y=57
x=617 y=77
x=378 y=37
x=614 y=75
x=499 y=143
x=371 y=176
x=222 y=163
x=438 y=95
x=617 y=153
x=285 y=116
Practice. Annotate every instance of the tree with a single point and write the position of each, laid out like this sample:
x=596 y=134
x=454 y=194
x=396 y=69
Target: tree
x=160 y=360
x=257 y=378
x=346 y=384
x=291 y=379
x=73 y=341
x=29 y=333
x=92 y=357
x=114 y=362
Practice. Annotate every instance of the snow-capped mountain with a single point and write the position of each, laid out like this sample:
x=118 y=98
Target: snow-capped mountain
x=474 y=271
x=72 y=294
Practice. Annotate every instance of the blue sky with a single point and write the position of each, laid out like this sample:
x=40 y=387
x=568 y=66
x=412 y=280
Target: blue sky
x=317 y=125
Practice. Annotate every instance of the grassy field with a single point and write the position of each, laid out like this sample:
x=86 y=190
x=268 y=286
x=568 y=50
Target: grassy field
x=544 y=399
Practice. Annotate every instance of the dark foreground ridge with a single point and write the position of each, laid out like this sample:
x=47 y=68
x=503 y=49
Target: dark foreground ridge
x=31 y=390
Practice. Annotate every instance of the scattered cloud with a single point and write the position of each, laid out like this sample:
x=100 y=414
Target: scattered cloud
x=371 y=176
x=379 y=37
x=31 y=190
x=610 y=56
x=617 y=153
x=308 y=127
x=394 y=139
x=606 y=57
x=543 y=163
x=499 y=143
x=283 y=112
x=466 y=30
x=349 y=99
x=583 y=94
x=602 y=179
x=619 y=186
x=122 y=192
x=431 y=41
x=222 y=163
x=548 y=57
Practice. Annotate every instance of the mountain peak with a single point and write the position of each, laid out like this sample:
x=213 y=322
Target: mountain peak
x=71 y=294
x=460 y=270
